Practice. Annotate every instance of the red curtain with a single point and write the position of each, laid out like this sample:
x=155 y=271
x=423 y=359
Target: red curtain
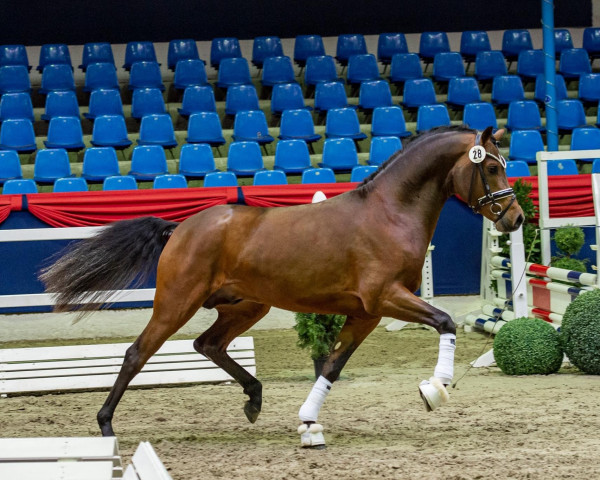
x=286 y=195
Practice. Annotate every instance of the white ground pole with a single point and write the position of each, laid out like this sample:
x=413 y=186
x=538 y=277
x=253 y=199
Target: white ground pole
x=547 y=223
x=68 y=233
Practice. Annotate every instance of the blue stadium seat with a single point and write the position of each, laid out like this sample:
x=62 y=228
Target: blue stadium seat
x=104 y=102
x=292 y=156
x=524 y=144
x=96 y=52
x=139 y=52
x=591 y=42
x=10 y=166
x=54 y=54
x=447 y=65
x=417 y=92
x=286 y=96
x=196 y=160
x=181 y=50
x=147 y=101
x=265 y=47
x=277 y=70
x=148 y=162
x=530 y=64
x=157 y=129
x=506 y=89
x=233 y=71
x=540 y=88
x=189 y=73
x=65 y=132
x=220 y=179
x=349 y=44
x=244 y=159
x=339 y=154
x=361 y=172
x=74 y=184
x=431 y=43
x=389 y=121
x=330 y=95
x=562 y=167
x=17 y=134
x=145 y=75
x=251 y=126
x=16 y=105
x=405 y=66
x=595 y=168
x=574 y=63
x=170 y=180
x=461 y=91
x=472 y=42
x=120 y=182
x=489 y=65
x=99 y=163
x=320 y=69
x=524 y=115
x=199 y=98
x=110 y=131
x=60 y=103
x=589 y=88
x=562 y=41
x=362 y=68
x=431 y=116
x=14 y=78
x=306 y=46
x=297 y=125
x=517 y=168
x=343 y=123
x=100 y=75
x=14 y=55
x=585 y=138
x=373 y=94
x=480 y=115
x=19 y=186
x=51 y=164
x=383 y=148
x=514 y=41
x=205 y=127
x=389 y=44
x=570 y=114
x=318 y=175
x=223 y=47
x=57 y=77
x=270 y=177
x=241 y=97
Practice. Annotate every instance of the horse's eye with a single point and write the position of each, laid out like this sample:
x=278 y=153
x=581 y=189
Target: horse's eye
x=493 y=169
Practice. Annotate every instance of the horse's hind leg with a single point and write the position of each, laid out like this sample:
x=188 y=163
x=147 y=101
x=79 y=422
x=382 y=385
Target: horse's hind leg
x=231 y=322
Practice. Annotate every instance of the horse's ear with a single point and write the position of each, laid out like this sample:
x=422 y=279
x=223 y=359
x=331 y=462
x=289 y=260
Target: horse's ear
x=486 y=135
x=498 y=134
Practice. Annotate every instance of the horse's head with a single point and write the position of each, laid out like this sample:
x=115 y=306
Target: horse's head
x=484 y=185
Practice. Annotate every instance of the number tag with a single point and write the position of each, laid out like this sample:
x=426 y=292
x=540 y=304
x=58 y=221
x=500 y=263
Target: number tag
x=477 y=154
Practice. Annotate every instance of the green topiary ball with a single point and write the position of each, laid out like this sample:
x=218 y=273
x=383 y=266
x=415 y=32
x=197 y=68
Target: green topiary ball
x=528 y=346
x=580 y=332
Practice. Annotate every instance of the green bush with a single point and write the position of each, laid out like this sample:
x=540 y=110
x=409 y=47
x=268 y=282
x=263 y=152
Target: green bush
x=528 y=346
x=317 y=332
x=569 y=239
x=569 y=263
x=580 y=332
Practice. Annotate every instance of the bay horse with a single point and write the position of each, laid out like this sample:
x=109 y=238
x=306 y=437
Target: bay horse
x=359 y=254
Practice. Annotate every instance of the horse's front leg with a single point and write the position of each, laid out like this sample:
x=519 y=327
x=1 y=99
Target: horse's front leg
x=401 y=304
x=354 y=331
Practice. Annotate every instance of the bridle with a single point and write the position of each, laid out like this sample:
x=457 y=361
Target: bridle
x=490 y=198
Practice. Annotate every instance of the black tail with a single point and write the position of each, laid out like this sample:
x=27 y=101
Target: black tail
x=124 y=253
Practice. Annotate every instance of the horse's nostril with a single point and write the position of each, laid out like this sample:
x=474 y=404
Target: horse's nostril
x=519 y=222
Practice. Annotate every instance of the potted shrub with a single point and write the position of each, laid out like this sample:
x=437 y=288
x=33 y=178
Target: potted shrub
x=569 y=241
x=316 y=333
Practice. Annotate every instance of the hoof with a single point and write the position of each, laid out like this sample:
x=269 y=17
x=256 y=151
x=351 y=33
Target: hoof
x=251 y=412
x=311 y=436
x=433 y=393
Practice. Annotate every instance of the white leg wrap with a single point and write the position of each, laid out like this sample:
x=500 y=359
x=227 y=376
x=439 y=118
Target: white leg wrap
x=311 y=407
x=444 y=370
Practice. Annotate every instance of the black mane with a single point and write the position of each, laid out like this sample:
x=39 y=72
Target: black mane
x=364 y=187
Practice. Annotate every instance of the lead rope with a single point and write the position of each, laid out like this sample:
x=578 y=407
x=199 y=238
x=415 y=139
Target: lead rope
x=487 y=341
